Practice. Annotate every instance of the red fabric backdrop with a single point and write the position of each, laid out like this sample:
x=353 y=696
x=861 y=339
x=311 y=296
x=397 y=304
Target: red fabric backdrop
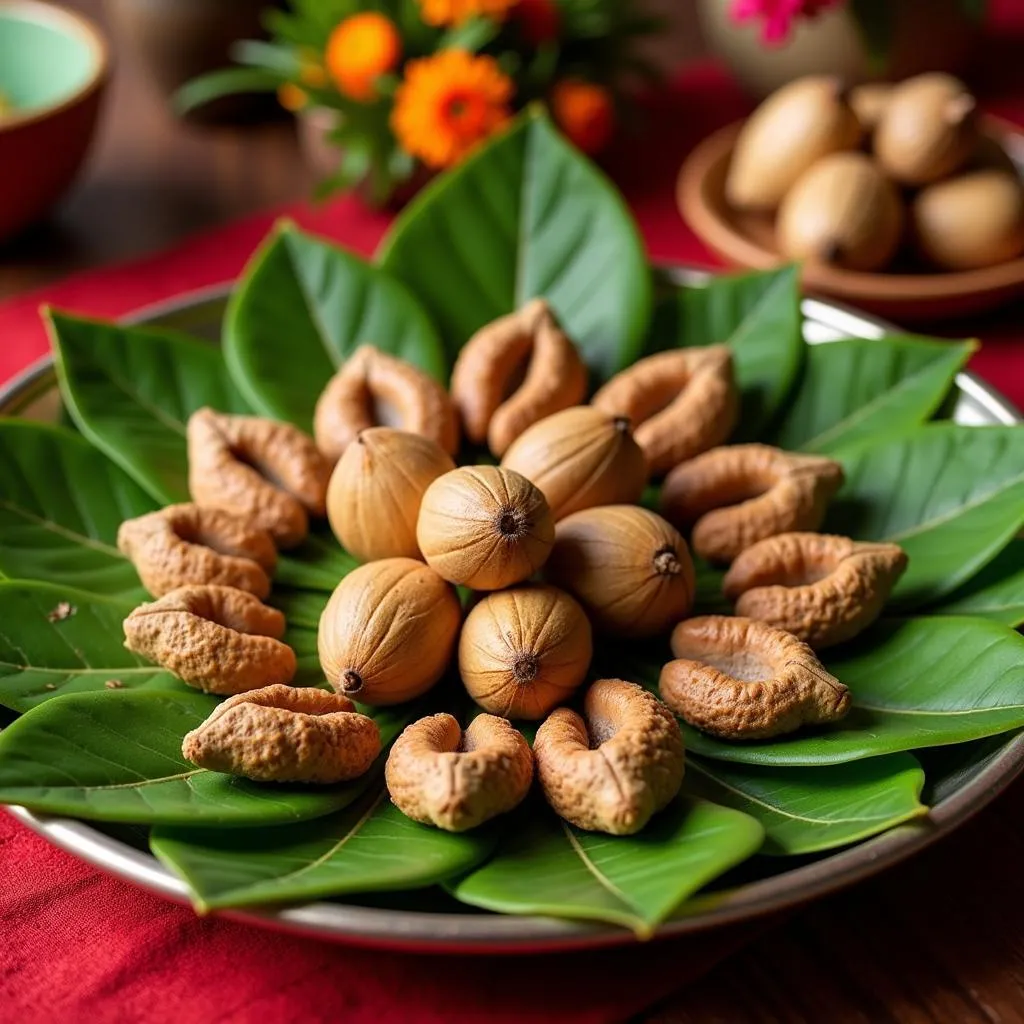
x=78 y=945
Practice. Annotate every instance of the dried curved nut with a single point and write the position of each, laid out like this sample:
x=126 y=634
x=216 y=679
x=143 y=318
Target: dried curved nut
x=183 y=544
x=485 y=381
x=456 y=780
x=524 y=650
x=745 y=680
x=681 y=402
x=218 y=639
x=613 y=771
x=820 y=588
x=373 y=389
x=269 y=472
x=285 y=734
x=766 y=491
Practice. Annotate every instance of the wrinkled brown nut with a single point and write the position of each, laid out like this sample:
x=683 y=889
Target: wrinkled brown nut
x=268 y=472
x=387 y=632
x=513 y=372
x=629 y=569
x=484 y=527
x=820 y=588
x=524 y=650
x=218 y=639
x=285 y=734
x=183 y=544
x=439 y=775
x=614 y=770
x=373 y=389
x=580 y=458
x=745 y=680
x=681 y=403
x=740 y=494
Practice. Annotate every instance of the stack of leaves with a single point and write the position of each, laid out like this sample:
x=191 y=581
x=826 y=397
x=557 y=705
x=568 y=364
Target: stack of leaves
x=100 y=732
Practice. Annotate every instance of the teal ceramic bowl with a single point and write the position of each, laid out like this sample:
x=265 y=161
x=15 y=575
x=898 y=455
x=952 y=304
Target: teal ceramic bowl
x=53 y=67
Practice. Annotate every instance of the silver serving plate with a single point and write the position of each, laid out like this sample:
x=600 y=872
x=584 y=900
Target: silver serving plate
x=960 y=794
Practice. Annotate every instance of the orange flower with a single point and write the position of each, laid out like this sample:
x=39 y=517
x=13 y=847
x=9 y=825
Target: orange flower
x=291 y=97
x=311 y=71
x=448 y=103
x=584 y=112
x=454 y=12
x=359 y=50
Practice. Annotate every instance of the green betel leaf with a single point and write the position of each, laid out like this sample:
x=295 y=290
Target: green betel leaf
x=369 y=847
x=997 y=592
x=318 y=563
x=807 y=810
x=131 y=390
x=758 y=317
x=61 y=502
x=527 y=216
x=56 y=640
x=302 y=307
x=302 y=608
x=951 y=496
x=915 y=683
x=852 y=390
x=116 y=756
x=545 y=866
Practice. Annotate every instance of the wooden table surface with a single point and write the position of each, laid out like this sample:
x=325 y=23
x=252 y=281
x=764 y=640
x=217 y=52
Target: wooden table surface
x=940 y=939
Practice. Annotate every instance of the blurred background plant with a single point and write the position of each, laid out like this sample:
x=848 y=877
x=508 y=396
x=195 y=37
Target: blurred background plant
x=767 y=43
x=403 y=88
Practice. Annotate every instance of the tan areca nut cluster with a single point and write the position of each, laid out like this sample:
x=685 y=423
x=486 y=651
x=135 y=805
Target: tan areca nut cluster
x=854 y=177
x=552 y=541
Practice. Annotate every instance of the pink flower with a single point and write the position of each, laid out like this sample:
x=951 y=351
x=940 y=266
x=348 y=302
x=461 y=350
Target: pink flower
x=778 y=15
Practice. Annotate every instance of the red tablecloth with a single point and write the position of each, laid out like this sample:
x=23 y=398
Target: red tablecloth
x=78 y=945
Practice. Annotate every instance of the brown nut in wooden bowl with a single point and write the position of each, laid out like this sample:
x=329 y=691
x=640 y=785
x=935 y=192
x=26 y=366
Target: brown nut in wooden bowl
x=740 y=494
x=821 y=588
x=285 y=734
x=744 y=680
x=495 y=404
x=218 y=639
x=439 y=775
x=681 y=403
x=373 y=389
x=183 y=544
x=613 y=769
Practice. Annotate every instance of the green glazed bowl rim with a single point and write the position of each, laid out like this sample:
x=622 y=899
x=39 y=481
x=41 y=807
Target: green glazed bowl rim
x=69 y=23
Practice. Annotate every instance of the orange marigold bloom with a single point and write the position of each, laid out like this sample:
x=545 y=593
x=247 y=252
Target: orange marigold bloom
x=585 y=113
x=454 y=12
x=291 y=97
x=448 y=104
x=311 y=71
x=359 y=50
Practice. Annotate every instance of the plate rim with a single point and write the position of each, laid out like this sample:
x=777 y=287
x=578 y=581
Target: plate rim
x=496 y=934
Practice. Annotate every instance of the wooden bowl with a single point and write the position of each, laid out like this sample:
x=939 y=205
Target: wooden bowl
x=748 y=240
x=53 y=67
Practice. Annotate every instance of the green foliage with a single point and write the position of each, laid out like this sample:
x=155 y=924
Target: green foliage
x=526 y=216
x=368 y=847
x=302 y=308
x=545 y=866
